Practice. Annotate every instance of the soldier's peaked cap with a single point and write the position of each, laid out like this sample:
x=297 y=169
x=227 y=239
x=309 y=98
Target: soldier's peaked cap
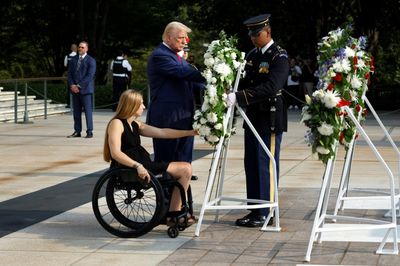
x=255 y=24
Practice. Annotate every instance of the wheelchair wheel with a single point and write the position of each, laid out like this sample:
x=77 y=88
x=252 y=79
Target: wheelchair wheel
x=173 y=232
x=124 y=206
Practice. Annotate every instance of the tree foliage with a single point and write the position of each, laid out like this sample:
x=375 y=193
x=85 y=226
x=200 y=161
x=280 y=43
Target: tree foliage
x=36 y=35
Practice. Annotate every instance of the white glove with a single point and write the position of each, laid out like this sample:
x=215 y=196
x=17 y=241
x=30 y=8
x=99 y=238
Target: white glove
x=231 y=99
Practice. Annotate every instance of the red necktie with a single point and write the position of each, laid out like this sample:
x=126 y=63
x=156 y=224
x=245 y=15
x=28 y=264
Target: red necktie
x=179 y=58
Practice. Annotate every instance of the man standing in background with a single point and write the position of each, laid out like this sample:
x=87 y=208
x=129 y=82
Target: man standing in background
x=81 y=72
x=122 y=74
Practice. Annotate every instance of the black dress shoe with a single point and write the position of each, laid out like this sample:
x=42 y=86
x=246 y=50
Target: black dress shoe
x=74 y=135
x=195 y=177
x=252 y=220
x=256 y=221
x=89 y=135
x=243 y=221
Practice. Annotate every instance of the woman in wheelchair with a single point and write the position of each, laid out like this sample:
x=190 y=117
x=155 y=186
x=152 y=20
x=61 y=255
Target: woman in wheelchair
x=122 y=147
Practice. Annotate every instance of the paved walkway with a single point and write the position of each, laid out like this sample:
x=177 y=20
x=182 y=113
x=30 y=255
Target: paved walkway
x=46 y=182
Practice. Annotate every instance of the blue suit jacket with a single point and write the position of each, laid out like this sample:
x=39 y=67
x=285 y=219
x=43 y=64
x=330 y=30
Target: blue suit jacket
x=171 y=89
x=85 y=76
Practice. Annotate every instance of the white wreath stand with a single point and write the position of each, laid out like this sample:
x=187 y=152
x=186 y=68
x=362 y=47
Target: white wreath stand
x=363 y=223
x=344 y=181
x=217 y=174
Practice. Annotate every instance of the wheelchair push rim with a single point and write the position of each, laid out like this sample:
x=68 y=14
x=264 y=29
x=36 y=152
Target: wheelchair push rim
x=124 y=205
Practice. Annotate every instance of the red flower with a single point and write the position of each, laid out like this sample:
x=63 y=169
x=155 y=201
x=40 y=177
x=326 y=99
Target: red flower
x=358 y=108
x=330 y=87
x=343 y=102
x=367 y=76
x=341 y=137
x=355 y=61
x=338 y=77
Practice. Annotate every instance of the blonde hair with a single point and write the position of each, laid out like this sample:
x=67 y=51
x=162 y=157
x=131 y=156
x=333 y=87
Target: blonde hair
x=173 y=27
x=129 y=103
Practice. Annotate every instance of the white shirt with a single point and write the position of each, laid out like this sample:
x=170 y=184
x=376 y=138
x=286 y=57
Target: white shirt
x=125 y=63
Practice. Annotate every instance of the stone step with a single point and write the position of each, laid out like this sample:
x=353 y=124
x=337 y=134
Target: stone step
x=35 y=107
x=9 y=117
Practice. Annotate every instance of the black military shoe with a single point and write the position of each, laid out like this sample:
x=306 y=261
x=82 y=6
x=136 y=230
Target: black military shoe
x=256 y=221
x=243 y=221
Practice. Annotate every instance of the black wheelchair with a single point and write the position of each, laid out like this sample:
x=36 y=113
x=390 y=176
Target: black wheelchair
x=126 y=206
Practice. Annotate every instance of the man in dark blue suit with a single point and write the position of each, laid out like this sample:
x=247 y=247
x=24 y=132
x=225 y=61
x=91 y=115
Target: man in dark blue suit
x=267 y=69
x=81 y=73
x=172 y=81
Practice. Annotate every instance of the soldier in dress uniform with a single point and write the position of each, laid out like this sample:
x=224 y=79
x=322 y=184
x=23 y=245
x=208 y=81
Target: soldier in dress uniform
x=267 y=69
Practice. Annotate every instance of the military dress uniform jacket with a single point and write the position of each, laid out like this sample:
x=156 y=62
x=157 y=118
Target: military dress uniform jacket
x=266 y=75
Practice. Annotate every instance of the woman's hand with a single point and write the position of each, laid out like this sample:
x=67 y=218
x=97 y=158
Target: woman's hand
x=143 y=173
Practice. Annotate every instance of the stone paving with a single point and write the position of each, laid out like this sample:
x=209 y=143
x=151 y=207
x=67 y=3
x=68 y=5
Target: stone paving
x=46 y=182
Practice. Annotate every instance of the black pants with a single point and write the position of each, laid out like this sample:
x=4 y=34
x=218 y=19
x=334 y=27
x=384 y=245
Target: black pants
x=119 y=85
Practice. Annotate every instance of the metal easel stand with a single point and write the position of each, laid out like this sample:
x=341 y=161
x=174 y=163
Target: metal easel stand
x=344 y=181
x=362 y=223
x=216 y=180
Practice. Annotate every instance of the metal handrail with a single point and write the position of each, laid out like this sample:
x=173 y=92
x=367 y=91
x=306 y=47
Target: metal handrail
x=25 y=82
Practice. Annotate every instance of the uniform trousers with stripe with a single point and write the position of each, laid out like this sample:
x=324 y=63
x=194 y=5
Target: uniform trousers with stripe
x=259 y=169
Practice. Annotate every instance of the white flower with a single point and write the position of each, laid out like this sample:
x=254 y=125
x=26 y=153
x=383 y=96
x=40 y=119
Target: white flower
x=218 y=126
x=196 y=126
x=204 y=130
x=331 y=99
x=212 y=138
x=205 y=106
x=349 y=52
x=233 y=56
x=223 y=69
x=360 y=63
x=212 y=90
x=236 y=64
x=207 y=55
x=209 y=62
x=355 y=82
x=203 y=121
x=325 y=129
x=322 y=150
x=319 y=95
x=308 y=99
x=342 y=65
x=197 y=114
x=212 y=117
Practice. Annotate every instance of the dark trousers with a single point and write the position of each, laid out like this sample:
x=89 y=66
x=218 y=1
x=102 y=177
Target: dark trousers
x=82 y=103
x=119 y=85
x=259 y=181
x=173 y=150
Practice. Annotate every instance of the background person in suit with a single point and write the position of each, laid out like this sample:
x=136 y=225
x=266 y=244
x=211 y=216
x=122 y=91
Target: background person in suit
x=172 y=81
x=267 y=69
x=122 y=73
x=81 y=72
